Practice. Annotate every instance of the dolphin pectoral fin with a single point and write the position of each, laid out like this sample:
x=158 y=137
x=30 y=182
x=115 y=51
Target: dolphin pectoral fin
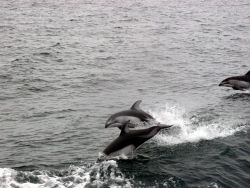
x=136 y=105
x=125 y=128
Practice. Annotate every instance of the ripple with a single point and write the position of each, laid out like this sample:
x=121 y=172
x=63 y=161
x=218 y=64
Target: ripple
x=48 y=113
x=239 y=96
x=229 y=152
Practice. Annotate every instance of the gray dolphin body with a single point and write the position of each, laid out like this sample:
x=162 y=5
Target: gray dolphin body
x=129 y=140
x=237 y=82
x=135 y=115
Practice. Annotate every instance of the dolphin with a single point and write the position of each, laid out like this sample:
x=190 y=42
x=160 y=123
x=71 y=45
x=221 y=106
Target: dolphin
x=237 y=82
x=129 y=140
x=135 y=115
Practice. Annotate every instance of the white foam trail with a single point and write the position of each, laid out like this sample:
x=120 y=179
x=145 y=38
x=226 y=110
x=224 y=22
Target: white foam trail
x=6 y=177
x=98 y=175
x=185 y=131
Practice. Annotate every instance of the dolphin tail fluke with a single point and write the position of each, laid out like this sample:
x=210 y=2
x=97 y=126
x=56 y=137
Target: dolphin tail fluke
x=248 y=73
x=163 y=126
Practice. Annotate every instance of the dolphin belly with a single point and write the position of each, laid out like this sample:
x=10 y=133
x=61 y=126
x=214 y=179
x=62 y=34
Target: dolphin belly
x=128 y=150
x=239 y=84
x=131 y=119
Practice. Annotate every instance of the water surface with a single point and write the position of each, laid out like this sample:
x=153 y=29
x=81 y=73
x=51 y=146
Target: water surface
x=65 y=66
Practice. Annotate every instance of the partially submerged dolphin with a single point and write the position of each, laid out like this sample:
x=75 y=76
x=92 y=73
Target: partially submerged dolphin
x=129 y=140
x=135 y=115
x=237 y=82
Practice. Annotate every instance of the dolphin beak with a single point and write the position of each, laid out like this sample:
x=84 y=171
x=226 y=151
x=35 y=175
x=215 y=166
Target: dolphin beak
x=222 y=83
x=107 y=125
x=226 y=84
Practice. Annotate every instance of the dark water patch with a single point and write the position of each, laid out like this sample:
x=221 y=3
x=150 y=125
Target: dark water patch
x=105 y=58
x=37 y=80
x=4 y=98
x=35 y=89
x=4 y=77
x=211 y=182
x=244 y=166
x=16 y=60
x=206 y=157
x=143 y=175
x=21 y=144
x=6 y=28
x=48 y=113
x=46 y=54
x=59 y=60
x=229 y=152
x=61 y=117
x=238 y=97
x=58 y=44
x=22 y=177
x=29 y=167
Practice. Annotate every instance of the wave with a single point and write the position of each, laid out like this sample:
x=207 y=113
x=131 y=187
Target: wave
x=244 y=96
x=101 y=174
x=191 y=129
x=104 y=174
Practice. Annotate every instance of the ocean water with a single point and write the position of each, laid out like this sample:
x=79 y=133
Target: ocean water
x=66 y=66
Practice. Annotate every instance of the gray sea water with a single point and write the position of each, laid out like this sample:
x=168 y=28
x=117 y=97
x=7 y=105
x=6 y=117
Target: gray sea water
x=66 y=66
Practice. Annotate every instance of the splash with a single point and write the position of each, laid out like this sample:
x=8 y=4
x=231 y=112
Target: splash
x=103 y=157
x=101 y=174
x=190 y=129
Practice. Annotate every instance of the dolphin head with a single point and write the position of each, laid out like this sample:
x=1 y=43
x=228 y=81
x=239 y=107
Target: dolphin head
x=113 y=121
x=226 y=83
x=121 y=118
x=237 y=83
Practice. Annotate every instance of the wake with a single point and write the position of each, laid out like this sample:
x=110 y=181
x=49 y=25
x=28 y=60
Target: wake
x=192 y=129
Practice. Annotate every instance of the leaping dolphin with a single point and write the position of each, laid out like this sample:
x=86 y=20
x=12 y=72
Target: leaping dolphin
x=237 y=82
x=129 y=140
x=135 y=115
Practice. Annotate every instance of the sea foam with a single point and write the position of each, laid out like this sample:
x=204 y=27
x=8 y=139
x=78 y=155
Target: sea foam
x=96 y=175
x=187 y=129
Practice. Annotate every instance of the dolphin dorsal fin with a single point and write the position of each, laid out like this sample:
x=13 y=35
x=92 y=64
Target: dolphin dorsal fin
x=248 y=73
x=136 y=105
